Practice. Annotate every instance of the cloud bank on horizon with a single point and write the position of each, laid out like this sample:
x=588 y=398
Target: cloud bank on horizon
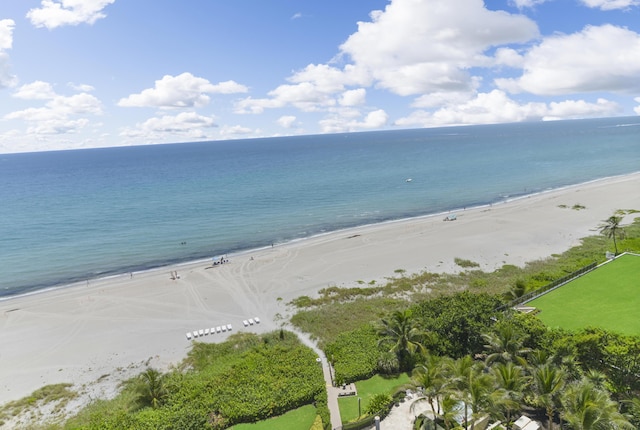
x=96 y=73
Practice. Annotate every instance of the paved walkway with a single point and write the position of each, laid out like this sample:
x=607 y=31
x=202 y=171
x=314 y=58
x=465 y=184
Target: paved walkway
x=327 y=371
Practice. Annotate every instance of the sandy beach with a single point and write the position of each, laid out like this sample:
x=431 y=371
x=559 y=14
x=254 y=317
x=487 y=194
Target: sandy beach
x=112 y=328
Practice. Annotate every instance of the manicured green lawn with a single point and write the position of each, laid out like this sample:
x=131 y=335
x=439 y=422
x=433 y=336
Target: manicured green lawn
x=366 y=389
x=608 y=297
x=297 y=419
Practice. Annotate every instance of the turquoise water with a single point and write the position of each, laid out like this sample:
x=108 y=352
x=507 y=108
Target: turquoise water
x=73 y=215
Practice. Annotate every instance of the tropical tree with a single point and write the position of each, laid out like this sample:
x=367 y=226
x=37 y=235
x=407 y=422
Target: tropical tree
x=450 y=409
x=152 y=390
x=547 y=382
x=402 y=335
x=429 y=380
x=612 y=229
x=511 y=382
x=587 y=407
x=471 y=385
x=505 y=345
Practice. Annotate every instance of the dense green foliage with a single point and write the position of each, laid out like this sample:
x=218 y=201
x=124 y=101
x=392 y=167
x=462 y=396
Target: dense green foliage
x=246 y=379
x=354 y=354
x=458 y=322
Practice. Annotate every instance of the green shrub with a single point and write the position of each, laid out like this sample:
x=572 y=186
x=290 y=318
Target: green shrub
x=354 y=354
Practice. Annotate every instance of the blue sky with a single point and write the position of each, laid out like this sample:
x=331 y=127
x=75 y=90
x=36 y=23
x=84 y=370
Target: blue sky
x=95 y=73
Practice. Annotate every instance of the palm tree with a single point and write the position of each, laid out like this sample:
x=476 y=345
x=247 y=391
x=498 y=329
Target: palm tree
x=152 y=390
x=505 y=345
x=471 y=385
x=587 y=407
x=449 y=410
x=402 y=335
x=612 y=229
x=548 y=380
x=429 y=380
x=511 y=383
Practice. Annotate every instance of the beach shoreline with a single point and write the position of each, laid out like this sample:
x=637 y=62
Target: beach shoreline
x=239 y=253
x=112 y=328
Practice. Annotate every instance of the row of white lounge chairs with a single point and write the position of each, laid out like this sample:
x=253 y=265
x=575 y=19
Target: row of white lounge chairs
x=251 y=321
x=219 y=329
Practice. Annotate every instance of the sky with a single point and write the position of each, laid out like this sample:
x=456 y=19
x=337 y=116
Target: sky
x=99 y=73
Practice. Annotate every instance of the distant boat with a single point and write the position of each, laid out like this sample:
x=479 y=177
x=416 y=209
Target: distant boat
x=409 y=179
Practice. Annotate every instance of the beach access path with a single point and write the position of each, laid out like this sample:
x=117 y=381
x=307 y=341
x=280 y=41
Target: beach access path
x=94 y=334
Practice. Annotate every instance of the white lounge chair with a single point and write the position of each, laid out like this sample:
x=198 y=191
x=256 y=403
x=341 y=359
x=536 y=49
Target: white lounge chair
x=195 y=333
x=245 y=322
x=206 y=332
x=213 y=330
x=224 y=328
x=189 y=336
x=251 y=321
x=257 y=320
x=218 y=329
x=229 y=327
x=201 y=332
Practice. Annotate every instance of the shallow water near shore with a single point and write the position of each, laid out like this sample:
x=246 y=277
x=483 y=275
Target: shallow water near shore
x=71 y=216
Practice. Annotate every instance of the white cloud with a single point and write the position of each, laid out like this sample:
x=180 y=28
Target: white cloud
x=60 y=108
x=580 y=109
x=611 y=4
x=229 y=87
x=37 y=90
x=6 y=34
x=85 y=88
x=287 y=121
x=521 y=4
x=185 y=125
x=419 y=46
x=496 y=107
x=54 y=13
x=60 y=115
x=508 y=57
x=436 y=99
x=353 y=97
x=182 y=91
x=6 y=42
x=604 y=58
x=637 y=108
x=339 y=123
x=235 y=130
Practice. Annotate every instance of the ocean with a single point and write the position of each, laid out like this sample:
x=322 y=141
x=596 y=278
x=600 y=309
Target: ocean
x=70 y=216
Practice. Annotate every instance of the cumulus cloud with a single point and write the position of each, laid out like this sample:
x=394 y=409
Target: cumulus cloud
x=353 y=97
x=413 y=47
x=580 y=109
x=59 y=115
x=182 y=91
x=37 y=90
x=598 y=58
x=340 y=123
x=235 y=130
x=81 y=87
x=610 y=4
x=52 y=14
x=6 y=34
x=419 y=46
x=286 y=121
x=496 y=107
x=188 y=125
x=6 y=42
